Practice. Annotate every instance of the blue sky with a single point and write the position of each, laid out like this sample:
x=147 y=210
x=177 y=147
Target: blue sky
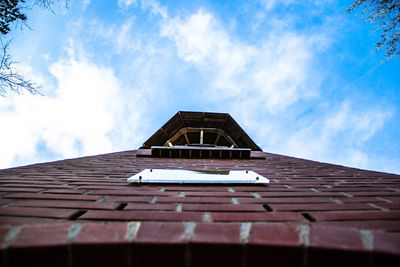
x=300 y=77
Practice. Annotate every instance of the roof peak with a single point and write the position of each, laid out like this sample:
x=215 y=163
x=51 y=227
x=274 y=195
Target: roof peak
x=192 y=128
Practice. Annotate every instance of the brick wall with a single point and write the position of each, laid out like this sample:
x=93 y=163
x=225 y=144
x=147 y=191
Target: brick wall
x=81 y=211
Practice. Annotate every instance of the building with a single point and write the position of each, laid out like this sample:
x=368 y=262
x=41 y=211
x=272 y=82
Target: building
x=83 y=212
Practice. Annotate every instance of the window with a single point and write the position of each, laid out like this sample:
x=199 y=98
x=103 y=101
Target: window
x=202 y=152
x=198 y=177
x=200 y=135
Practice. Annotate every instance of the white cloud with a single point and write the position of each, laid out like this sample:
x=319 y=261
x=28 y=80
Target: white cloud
x=272 y=73
x=124 y=40
x=78 y=120
x=126 y=3
x=362 y=124
x=85 y=3
x=155 y=8
x=270 y=4
x=338 y=136
x=259 y=82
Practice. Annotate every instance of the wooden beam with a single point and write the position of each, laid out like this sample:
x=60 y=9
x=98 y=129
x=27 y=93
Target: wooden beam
x=217 y=139
x=186 y=138
x=186 y=130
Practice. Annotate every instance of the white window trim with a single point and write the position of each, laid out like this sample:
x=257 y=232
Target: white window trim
x=197 y=177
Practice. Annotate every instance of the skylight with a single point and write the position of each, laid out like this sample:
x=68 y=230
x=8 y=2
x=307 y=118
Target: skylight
x=197 y=177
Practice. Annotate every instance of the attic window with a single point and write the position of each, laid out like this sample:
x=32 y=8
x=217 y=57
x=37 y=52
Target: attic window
x=201 y=135
x=202 y=152
x=197 y=177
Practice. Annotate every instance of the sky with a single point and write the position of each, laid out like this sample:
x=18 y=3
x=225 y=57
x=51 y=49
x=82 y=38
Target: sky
x=300 y=77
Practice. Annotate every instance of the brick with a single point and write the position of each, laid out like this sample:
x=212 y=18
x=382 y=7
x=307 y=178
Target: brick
x=197 y=188
x=218 y=233
x=218 y=194
x=389 y=206
x=20 y=189
x=336 y=246
x=36 y=212
x=285 y=200
x=345 y=188
x=299 y=194
x=142 y=187
x=65 y=191
x=143 y=152
x=375 y=194
x=35 y=182
x=99 y=244
x=329 y=237
x=271 y=241
x=161 y=233
x=51 y=196
x=386 y=249
x=285 y=190
x=132 y=193
x=355 y=215
x=129 y=199
x=216 y=245
x=208 y=200
x=274 y=235
x=358 y=199
x=320 y=207
x=159 y=244
x=4 y=230
x=82 y=181
x=4 y=201
x=269 y=188
x=42 y=235
x=102 y=233
x=222 y=207
x=102 y=187
x=107 y=184
x=257 y=217
x=373 y=225
x=141 y=216
x=392 y=199
x=386 y=242
x=41 y=186
x=22 y=220
x=148 y=207
x=66 y=204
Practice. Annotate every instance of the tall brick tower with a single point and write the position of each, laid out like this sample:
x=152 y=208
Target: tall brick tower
x=84 y=212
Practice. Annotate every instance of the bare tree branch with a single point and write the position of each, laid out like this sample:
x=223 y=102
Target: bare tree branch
x=47 y=4
x=385 y=14
x=11 y=11
x=11 y=80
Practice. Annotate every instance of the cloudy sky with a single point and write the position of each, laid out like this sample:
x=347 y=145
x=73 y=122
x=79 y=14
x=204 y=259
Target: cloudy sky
x=300 y=77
